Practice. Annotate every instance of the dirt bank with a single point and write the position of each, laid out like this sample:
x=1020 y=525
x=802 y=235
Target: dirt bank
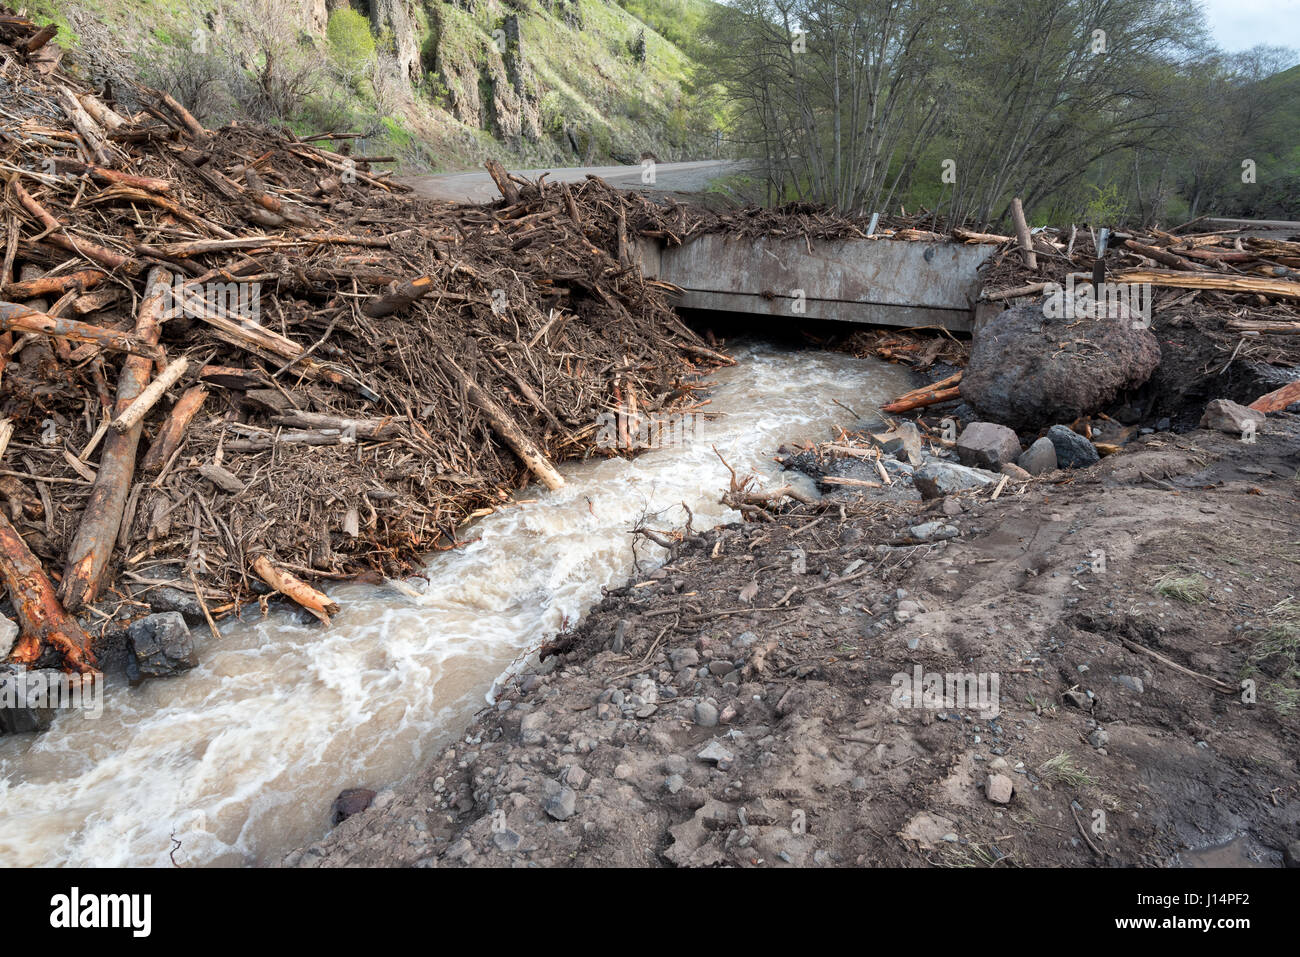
x=740 y=706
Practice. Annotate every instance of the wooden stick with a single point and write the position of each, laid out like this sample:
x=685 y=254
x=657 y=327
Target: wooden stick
x=22 y=319
x=401 y=297
x=81 y=280
x=924 y=399
x=41 y=619
x=292 y=587
x=101 y=520
x=134 y=413
x=1033 y=289
x=505 y=427
x=173 y=430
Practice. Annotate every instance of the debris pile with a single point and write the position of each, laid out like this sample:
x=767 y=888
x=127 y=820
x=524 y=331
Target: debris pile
x=235 y=361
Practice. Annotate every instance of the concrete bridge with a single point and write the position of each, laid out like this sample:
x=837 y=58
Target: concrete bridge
x=870 y=281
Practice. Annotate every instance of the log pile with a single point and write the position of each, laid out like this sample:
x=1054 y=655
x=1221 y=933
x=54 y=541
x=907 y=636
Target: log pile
x=233 y=360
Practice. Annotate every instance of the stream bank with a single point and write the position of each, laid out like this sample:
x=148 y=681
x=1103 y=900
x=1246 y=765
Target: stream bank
x=709 y=715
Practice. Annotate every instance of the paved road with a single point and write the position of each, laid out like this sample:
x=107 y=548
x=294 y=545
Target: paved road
x=475 y=186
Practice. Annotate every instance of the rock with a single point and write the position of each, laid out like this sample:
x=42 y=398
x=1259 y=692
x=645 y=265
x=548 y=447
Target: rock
x=166 y=599
x=8 y=636
x=674 y=783
x=576 y=777
x=349 y=802
x=936 y=479
x=1021 y=375
x=952 y=507
x=1099 y=738
x=21 y=710
x=987 y=445
x=933 y=531
x=162 y=644
x=683 y=658
x=506 y=840
x=706 y=715
x=1224 y=415
x=1012 y=470
x=1073 y=451
x=1039 y=458
x=562 y=804
x=530 y=728
x=715 y=752
x=1078 y=699
x=998 y=788
x=910 y=436
x=1131 y=683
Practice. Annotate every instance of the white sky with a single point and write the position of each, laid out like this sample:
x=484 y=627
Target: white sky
x=1241 y=24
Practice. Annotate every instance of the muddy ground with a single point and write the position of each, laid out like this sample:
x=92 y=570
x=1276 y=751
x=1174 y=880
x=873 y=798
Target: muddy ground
x=739 y=706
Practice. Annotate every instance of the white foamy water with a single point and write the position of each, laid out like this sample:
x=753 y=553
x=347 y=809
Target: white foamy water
x=240 y=759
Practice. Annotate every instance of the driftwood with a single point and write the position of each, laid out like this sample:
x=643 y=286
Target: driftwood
x=169 y=436
x=499 y=176
x=134 y=413
x=23 y=319
x=356 y=428
x=1022 y=234
x=1278 y=399
x=82 y=247
x=41 y=619
x=505 y=426
x=101 y=519
x=81 y=280
x=1266 y=287
x=294 y=588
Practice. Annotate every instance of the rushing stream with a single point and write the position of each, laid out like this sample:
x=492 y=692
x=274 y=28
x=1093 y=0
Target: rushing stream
x=240 y=759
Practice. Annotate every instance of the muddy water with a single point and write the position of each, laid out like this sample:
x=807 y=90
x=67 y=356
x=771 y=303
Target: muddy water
x=239 y=760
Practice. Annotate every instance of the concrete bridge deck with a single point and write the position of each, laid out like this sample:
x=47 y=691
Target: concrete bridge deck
x=871 y=281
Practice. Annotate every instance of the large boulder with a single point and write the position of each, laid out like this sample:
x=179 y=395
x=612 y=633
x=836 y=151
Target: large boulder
x=987 y=445
x=1039 y=457
x=1027 y=369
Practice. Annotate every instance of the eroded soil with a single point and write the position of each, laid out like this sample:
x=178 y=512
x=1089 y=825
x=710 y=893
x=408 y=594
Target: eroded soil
x=593 y=758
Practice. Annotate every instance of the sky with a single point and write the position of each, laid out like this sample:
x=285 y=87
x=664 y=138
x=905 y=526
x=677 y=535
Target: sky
x=1241 y=24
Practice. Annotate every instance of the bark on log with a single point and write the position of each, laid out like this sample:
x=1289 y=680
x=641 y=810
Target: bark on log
x=401 y=297
x=22 y=319
x=1278 y=399
x=294 y=588
x=101 y=519
x=385 y=428
x=504 y=426
x=81 y=280
x=173 y=430
x=499 y=176
x=41 y=619
x=933 y=397
x=1177 y=280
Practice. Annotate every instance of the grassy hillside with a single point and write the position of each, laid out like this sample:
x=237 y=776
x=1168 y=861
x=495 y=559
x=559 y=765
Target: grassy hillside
x=441 y=85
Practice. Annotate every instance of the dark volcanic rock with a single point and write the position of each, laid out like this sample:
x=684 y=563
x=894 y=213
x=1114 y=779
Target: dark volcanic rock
x=1027 y=369
x=349 y=802
x=1073 y=451
x=163 y=646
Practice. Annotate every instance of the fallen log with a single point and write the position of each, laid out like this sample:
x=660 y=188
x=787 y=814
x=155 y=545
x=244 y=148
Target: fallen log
x=1277 y=326
x=1278 y=399
x=292 y=587
x=22 y=319
x=1178 y=280
x=1162 y=256
x=41 y=619
x=173 y=430
x=101 y=519
x=504 y=426
x=970 y=236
